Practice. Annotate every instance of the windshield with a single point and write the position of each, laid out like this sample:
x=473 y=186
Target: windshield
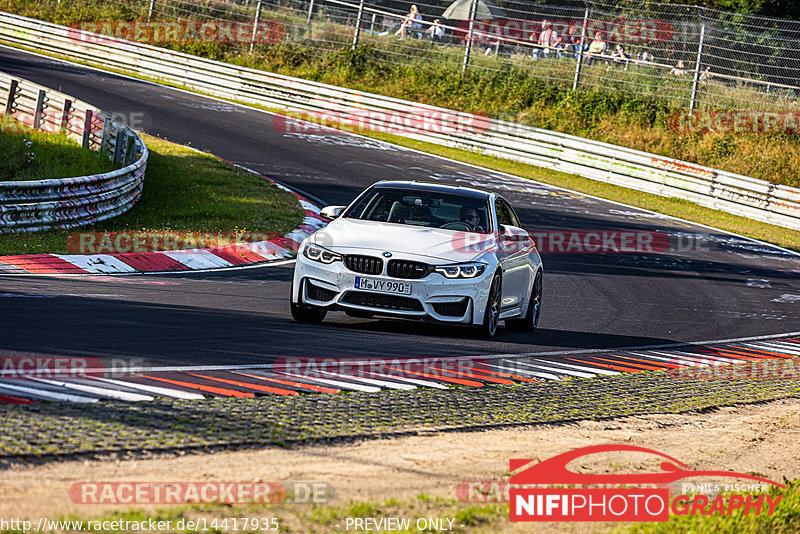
x=432 y=209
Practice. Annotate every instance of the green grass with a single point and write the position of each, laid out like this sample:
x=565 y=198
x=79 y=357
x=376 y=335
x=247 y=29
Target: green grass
x=29 y=155
x=184 y=191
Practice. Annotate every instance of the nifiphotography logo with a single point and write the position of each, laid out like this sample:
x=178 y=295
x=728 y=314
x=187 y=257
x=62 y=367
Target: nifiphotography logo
x=548 y=491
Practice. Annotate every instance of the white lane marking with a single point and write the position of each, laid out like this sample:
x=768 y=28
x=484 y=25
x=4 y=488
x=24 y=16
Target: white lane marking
x=373 y=381
x=569 y=372
x=328 y=382
x=265 y=249
x=713 y=357
x=415 y=381
x=530 y=372
x=198 y=259
x=774 y=347
x=673 y=359
x=787 y=297
x=97 y=263
x=45 y=394
x=608 y=372
x=94 y=390
x=164 y=392
x=701 y=362
x=517 y=371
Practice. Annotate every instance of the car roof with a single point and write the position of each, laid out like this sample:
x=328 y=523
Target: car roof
x=436 y=188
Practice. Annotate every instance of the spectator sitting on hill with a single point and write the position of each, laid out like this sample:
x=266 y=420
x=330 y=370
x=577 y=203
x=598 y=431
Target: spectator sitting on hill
x=644 y=58
x=620 y=55
x=679 y=69
x=436 y=30
x=597 y=48
x=549 y=40
x=413 y=21
x=572 y=40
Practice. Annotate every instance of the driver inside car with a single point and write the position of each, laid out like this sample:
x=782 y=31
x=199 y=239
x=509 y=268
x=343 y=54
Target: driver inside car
x=470 y=217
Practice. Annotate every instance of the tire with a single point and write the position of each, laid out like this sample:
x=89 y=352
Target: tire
x=491 y=317
x=307 y=314
x=531 y=319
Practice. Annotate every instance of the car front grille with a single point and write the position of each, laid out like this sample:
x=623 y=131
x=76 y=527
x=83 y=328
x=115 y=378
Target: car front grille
x=407 y=269
x=363 y=264
x=387 y=302
x=319 y=293
x=451 y=309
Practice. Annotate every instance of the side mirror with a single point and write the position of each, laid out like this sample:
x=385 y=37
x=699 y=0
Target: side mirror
x=331 y=212
x=514 y=238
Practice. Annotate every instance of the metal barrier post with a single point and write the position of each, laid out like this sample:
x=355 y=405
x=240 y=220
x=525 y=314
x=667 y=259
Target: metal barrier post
x=696 y=81
x=310 y=11
x=120 y=142
x=579 y=63
x=87 y=128
x=468 y=48
x=65 y=114
x=129 y=150
x=12 y=96
x=39 y=109
x=256 y=22
x=357 y=31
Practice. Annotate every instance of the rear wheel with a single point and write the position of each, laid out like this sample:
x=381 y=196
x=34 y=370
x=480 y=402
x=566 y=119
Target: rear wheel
x=308 y=314
x=491 y=317
x=531 y=319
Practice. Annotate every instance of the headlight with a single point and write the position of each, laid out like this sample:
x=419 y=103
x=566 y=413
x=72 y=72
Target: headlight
x=461 y=270
x=322 y=255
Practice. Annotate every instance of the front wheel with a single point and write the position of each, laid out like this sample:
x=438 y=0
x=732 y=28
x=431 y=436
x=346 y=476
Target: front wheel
x=531 y=319
x=491 y=317
x=307 y=314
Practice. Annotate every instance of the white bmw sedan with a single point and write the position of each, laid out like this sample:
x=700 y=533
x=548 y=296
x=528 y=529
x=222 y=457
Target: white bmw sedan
x=421 y=251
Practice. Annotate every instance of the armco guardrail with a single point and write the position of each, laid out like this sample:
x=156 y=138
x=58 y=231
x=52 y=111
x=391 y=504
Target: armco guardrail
x=736 y=194
x=69 y=202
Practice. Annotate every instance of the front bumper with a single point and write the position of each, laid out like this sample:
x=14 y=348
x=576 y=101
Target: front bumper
x=448 y=300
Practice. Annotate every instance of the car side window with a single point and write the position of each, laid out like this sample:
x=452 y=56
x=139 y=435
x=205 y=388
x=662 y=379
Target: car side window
x=513 y=215
x=504 y=213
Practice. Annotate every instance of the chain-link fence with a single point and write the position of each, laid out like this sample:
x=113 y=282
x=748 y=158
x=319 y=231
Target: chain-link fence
x=694 y=57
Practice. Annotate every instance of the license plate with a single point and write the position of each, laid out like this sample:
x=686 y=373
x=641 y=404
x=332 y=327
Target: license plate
x=383 y=286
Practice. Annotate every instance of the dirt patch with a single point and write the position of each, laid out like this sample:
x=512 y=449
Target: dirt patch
x=753 y=439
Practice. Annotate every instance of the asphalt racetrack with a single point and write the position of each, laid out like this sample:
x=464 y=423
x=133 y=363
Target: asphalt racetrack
x=701 y=285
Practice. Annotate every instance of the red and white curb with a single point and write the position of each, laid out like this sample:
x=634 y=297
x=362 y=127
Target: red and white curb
x=235 y=255
x=698 y=363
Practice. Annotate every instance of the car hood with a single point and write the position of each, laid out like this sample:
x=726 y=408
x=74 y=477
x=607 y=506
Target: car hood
x=402 y=240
